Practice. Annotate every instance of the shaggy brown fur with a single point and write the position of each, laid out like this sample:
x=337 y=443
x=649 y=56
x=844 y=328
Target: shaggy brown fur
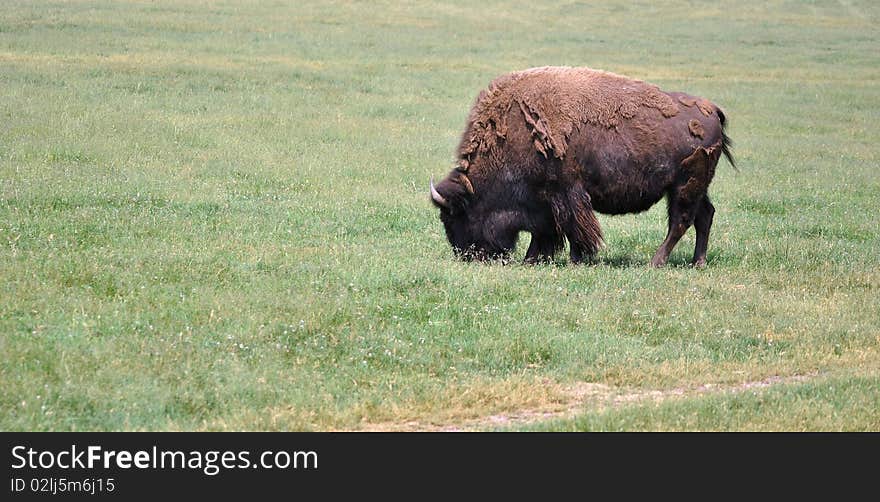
x=706 y=107
x=554 y=101
x=544 y=148
x=696 y=128
x=687 y=101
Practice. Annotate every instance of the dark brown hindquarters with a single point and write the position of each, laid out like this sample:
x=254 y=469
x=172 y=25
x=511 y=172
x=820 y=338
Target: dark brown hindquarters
x=688 y=204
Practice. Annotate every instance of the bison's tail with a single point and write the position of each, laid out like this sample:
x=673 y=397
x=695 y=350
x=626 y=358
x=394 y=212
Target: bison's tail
x=726 y=142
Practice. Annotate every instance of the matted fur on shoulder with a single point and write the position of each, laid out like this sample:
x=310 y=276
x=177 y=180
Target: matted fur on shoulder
x=553 y=100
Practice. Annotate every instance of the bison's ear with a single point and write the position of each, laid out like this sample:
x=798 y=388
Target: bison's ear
x=450 y=194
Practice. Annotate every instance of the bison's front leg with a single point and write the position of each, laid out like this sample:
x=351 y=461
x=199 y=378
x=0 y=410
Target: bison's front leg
x=542 y=248
x=576 y=218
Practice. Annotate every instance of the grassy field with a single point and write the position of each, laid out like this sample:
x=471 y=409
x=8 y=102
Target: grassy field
x=839 y=403
x=215 y=216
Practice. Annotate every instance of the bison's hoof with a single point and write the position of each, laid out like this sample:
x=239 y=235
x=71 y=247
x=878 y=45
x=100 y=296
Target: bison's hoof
x=699 y=263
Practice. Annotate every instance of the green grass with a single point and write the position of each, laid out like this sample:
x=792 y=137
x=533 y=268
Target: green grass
x=214 y=215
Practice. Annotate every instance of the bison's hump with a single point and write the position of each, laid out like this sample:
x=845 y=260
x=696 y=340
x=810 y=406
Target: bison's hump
x=553 y=101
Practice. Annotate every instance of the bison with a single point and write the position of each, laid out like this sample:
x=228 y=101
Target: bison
x=546 y=147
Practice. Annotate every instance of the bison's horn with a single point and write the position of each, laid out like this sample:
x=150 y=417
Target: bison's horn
x=436 y=197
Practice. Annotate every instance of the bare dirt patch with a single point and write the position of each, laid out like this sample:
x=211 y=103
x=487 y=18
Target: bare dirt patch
x=580 y=397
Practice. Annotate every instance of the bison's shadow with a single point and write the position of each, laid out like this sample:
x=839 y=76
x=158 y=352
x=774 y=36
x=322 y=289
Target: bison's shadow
x=635 y=260
x=620 y=260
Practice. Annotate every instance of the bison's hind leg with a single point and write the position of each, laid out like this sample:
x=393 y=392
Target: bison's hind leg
x=681 y=217
x=703 y=223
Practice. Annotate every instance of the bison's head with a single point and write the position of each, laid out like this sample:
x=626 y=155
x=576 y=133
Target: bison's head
x=478 y=227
